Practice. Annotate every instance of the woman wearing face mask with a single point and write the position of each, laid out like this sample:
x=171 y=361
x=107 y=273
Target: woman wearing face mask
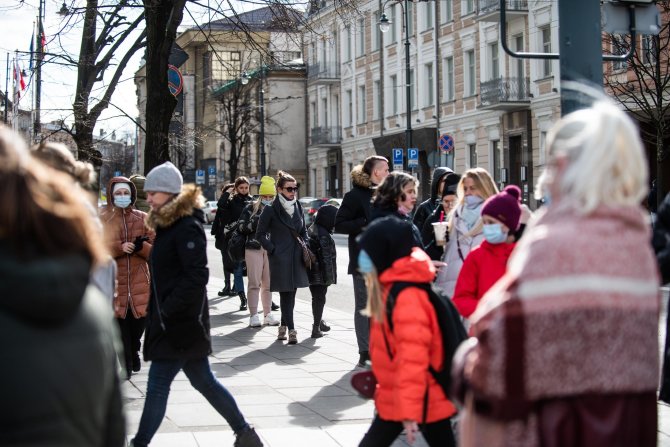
x=487 y=263
x=465 y=225
x=396 y=196
x=129 y=242
x=256 y=257
x=279 y=227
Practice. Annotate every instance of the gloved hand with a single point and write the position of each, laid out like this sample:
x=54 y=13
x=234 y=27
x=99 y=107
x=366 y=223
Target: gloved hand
x=139 y=241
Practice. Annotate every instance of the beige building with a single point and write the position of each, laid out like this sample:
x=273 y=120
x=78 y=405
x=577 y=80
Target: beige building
x=496 y=108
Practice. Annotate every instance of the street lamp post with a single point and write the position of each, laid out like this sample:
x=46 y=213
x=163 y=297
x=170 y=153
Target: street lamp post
x=37 y=126
x=261 y=100
x=384 y=26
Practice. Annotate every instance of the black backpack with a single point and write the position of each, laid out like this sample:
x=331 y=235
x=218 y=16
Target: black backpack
x=451 y=327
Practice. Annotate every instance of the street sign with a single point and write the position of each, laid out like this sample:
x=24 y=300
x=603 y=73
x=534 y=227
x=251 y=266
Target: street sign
x=200 y=177
x=446 y=143
x=211 y=171
x=397 y=158
x=412 y=157
x=175 y=80
x=117 y=173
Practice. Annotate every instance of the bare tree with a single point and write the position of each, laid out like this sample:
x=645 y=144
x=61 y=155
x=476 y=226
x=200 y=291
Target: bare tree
x=642 y=87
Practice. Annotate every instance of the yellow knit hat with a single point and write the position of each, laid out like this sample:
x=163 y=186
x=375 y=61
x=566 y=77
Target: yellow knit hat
x=267 y=187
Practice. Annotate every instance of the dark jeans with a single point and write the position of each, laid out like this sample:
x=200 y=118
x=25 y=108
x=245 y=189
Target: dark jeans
x=361 y=322
x=318 y=301
x=161 y=375
x=382 y=433
x=131 y=332
x=226 y=271
x=238 y=278
x=287 y=303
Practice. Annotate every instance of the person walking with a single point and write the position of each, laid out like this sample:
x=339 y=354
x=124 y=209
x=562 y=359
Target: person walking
x=279 y=227
x=407 y=396
x=352 y=217
x=443 y=177
x=256 y=257
x=129 y=242
x=59 y=382
x=324 y=272
x=177 y=334
x=565 y=345
x=465 y=225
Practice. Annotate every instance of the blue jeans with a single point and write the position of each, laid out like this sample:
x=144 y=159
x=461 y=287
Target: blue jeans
x=238 y=275
x=161 y=375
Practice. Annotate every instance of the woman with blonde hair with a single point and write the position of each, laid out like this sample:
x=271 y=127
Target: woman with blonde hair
x=59 y=385
x=465 y=224
x=565 y=345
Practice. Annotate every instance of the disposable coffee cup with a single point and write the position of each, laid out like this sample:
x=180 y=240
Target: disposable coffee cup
x=440 y=229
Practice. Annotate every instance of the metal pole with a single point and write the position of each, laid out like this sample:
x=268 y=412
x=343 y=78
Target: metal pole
x=38 y=74
x=262 y=134
x=6 y=89
x=408 y=87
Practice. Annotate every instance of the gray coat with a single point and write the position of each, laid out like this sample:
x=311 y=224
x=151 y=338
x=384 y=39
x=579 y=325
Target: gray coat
x=287 y=271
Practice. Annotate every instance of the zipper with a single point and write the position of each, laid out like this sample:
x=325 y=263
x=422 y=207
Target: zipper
x=125 y=227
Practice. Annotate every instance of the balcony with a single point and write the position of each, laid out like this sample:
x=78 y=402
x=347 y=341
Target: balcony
x=505 y=94
x=325 y=136
x=323 y=72
x=489 y=10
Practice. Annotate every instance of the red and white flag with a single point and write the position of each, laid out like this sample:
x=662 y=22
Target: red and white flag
x=19 y=82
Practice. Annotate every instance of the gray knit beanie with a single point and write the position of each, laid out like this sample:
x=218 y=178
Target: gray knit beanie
x=164 y=178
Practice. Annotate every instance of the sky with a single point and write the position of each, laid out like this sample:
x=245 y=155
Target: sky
x=17 y=18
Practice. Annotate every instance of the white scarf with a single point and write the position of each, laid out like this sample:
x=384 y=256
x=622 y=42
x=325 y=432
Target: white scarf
x=287 y=204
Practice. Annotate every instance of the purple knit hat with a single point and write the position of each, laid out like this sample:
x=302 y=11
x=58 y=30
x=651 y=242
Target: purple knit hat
x=504 y=206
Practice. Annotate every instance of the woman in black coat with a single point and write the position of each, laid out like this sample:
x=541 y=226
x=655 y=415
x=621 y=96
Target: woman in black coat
x=177 y=333
x=278 y=229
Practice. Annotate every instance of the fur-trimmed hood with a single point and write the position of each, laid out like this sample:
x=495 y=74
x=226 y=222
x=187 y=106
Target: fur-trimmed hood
x=360 y=178
x=188 y=202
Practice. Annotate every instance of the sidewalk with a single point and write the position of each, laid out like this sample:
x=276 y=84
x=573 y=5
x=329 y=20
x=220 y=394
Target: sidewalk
x=294 y=395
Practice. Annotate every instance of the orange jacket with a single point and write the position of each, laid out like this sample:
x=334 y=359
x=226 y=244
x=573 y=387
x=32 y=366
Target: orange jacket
x=133 y=280
x=415 y=342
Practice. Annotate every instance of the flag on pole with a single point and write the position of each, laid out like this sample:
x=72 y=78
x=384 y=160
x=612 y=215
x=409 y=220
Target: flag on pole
x=19 y=82
x=32 y=47
x=43 y=38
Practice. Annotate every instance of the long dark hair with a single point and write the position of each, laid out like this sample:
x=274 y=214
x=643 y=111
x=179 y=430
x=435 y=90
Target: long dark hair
x=391 y=189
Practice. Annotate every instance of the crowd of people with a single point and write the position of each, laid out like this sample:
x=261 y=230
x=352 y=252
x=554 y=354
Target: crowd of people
x=561 y=306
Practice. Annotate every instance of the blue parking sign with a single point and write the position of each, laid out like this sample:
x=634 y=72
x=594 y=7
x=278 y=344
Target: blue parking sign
x=412 y=157
x=397 y=156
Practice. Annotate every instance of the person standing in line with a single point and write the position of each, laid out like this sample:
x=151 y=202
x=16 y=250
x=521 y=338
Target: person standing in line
x=279 y=227
x=441 y=213
x=661 y=244
x=129 y=242
x=443 y=177
x=59 y=382
x=256 y=257
x=407 y=396
x=177 y=333
x=396 y=196
x=141 y=201
x=565 y=345
x=465 y=225
x=352 y=217
x=324 y=272
x=218 y=232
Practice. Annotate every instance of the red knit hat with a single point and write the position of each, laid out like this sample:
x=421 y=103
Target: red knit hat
x=504 y=206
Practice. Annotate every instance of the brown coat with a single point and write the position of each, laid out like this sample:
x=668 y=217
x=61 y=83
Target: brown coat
x=133 y=279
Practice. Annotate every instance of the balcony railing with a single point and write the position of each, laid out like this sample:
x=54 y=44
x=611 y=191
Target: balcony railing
x=323 y=71
x=489 y=10
x=326 y=135
x=505 y=93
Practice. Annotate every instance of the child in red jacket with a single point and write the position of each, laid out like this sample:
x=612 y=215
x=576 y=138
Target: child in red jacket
x=488 y=262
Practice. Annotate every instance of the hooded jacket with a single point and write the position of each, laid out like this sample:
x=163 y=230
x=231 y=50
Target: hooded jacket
x=59 y=383
x=416 y=344
x=125 y=225
x=427 y=207
x=324 y=272
x=178 y=264
x=354 y=213
x=661 y=239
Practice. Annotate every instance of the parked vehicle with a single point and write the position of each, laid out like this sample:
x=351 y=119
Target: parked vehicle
x=210 y=211
x=310 y=205
x=335 y=201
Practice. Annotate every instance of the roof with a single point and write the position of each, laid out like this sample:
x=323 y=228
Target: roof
x=269 y=18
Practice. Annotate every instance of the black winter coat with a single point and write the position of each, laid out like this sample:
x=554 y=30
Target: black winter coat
x=426 y=208
x=354 y=213
x=324 y=271
x=228 y=210
x=378 y=213
x=178 y=261
x=428 y=235
x=287 y=271
x=661 y=239
x=247 y=224
x=58 y=384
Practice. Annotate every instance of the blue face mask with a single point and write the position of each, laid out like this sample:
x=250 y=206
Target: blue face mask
x=546 y=200
x=122 y=201
x=494 y=234
x=473 y=201
x=365 y=264
x=266 y=202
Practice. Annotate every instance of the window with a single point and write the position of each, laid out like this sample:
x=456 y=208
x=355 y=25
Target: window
x=313 y=182
x=324 y=112
x=430 y=94
x=312 y=110
x=311 y=53
x=470 y=75
x=649 y=49
x=410 y=18
x=336 y=50
x=350 y=109
x=494 y=65
x=446 y=11
x=377 y=98
x=427 y=15
x=374 y=30
x=362 y=115
x=619 y=46
x=347 y=45
x=449 y=79
x=393 y=32
x=412 y=99
x=546 y=48
x=468 y=6
x=394 y=94
x=543 y=147
x=472 y=150
x=497 y=158
x=360 y=41
x=226 y=65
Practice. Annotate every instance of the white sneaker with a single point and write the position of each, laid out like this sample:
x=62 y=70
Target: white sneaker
x=270 y=320
x=255 y=321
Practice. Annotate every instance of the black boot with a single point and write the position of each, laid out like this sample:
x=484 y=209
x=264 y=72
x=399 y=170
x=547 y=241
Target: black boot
x=323 y=326
x=274 y=307
x=225 y=291
x=248 y=438
x=364 y=356
x=316 y=332
x=243 y=301
x=137 y=365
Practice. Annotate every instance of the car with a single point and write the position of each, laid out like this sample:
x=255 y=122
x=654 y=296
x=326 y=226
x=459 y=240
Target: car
x=210 y=211
x=335 y=201
x=310 y=205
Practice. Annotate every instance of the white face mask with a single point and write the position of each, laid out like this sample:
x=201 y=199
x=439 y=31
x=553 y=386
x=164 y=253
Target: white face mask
x=122 y=201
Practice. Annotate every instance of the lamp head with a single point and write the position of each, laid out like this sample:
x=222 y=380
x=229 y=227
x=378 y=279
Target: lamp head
x=384 y=23
x=245 y=78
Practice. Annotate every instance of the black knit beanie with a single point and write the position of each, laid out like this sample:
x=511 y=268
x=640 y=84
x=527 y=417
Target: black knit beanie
x=387 y=239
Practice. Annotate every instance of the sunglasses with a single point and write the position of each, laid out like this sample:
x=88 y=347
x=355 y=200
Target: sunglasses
x=291 y=189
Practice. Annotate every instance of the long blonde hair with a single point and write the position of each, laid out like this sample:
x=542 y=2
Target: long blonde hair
x=484 y=183
x=375 y=306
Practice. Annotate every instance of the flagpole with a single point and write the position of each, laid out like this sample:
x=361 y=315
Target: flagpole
x=7 y=90
x=15 y=103
x=38 y=74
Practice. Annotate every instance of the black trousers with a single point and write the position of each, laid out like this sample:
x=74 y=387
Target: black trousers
x=318 y=301
x=382 y=433
x=287 y=303
x=131 y=333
